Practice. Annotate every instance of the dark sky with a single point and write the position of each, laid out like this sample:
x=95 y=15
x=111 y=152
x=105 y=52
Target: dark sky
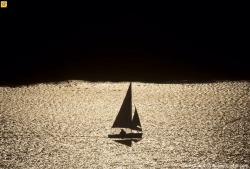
x=203 y=37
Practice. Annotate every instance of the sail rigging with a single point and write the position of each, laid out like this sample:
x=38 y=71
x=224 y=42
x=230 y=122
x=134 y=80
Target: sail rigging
x=124 y=117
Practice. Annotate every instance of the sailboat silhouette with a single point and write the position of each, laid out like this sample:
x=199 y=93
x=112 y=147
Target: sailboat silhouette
x=124 y=119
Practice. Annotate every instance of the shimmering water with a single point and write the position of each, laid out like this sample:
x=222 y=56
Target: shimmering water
x=65 y=125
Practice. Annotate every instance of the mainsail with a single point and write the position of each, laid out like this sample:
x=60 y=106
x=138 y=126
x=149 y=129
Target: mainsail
x=123 y=119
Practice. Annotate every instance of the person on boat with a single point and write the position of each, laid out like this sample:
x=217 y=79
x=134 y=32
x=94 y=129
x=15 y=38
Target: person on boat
x=122 y=133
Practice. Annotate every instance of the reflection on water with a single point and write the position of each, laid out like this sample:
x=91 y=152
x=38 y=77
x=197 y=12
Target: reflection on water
x=66 y=125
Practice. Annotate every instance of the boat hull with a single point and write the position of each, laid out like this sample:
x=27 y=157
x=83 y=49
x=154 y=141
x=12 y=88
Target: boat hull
x=128 y=135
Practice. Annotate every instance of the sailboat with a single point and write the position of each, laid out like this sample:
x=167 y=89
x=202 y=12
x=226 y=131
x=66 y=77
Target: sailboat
x=124 y=119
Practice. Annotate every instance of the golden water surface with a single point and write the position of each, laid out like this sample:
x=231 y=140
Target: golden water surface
x=65 y=125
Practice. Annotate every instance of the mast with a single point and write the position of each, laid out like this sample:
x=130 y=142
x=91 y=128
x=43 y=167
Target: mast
x=130 y=84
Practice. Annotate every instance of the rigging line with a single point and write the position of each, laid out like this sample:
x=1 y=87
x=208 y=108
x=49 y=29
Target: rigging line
x=91 y=136
x=87 y=136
